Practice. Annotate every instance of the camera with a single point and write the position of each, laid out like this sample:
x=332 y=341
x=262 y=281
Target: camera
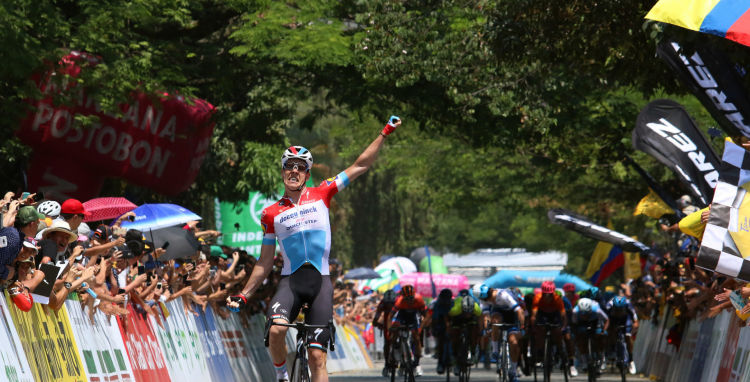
x=131 y=218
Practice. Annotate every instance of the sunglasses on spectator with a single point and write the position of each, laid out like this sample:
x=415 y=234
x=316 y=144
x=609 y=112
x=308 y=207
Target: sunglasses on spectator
x=289 y=166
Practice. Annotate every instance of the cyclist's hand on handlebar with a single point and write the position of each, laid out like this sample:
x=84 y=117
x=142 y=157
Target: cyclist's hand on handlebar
x=236 y=302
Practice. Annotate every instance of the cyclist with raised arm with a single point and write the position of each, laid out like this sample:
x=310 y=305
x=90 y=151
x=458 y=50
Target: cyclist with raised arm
x=505 y=308
x=385 y=308
x=436 y=320
x=300 y=223
x=588 y=314
x=409 y=310
x=622 y=313
x=464 y=313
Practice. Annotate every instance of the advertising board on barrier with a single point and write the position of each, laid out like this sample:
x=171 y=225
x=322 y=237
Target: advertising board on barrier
x=213 y=348
x=100 y=344
x=12 y=357
x=741 y=362
x=245 y=349
x=730 y=347
x=179 y=342
x=48 y=342
x=146 y=357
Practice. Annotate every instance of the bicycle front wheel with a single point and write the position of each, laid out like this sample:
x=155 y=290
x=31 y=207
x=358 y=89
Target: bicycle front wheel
x=547 y=360
x=299 y=370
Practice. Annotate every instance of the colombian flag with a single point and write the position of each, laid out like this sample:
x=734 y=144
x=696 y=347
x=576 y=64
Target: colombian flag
x=614 y=260
x=725 y=18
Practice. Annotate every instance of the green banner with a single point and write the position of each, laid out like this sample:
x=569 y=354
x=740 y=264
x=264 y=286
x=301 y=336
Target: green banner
x=240 y=223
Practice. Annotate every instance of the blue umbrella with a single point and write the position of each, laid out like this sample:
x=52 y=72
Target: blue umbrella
x=155 y=216
x=362 y=273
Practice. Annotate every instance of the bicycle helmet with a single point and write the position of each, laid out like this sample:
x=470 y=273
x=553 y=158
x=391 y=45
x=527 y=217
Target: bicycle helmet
x=463 y=292
x=594 y=292
x=585 y=305
x=407 y=291
x=389 y=296
x=467 y=305
x=49 y=208
x=297 y=152
x=569 y=287
x=548 y=287
x=619 y=302
x=481 y=291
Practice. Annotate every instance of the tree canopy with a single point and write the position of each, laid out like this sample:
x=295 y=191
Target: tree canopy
x=508 y=108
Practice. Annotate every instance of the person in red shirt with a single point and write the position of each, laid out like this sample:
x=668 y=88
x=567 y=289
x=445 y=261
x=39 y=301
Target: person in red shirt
x=410 y=308
x=548 y=308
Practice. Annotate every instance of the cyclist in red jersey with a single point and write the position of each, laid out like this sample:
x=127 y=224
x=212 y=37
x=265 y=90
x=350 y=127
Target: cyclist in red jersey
x=409 y=308
x=548 y=307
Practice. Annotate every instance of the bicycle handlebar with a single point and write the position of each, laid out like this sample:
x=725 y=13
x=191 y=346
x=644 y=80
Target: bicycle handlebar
x=301 y=326
x=504 y=326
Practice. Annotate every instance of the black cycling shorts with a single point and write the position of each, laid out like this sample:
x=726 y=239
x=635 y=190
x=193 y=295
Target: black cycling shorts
x=305 y=285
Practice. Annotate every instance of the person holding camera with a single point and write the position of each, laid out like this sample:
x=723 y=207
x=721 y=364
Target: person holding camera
x=300 y=222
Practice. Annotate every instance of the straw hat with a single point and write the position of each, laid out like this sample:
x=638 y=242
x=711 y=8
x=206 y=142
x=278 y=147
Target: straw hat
x=60 y=225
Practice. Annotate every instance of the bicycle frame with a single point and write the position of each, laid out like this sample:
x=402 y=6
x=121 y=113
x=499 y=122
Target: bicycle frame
x=300 y=368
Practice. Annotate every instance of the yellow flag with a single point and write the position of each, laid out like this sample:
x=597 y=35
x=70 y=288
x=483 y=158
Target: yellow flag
x=632 y=265
x=652 y=206
x=600 y=255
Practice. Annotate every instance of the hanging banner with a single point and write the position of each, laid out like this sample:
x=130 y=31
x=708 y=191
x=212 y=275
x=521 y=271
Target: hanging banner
x=146 y=357
x=179 y=341
x=12 y=356
x=213 y=348
x=714 y=80
x=586 y=228
x=665 y=131
x=100 y=345
x=159 y=141
x=48 y=342
x=726 y=242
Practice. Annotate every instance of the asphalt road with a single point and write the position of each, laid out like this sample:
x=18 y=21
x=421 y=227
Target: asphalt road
x=477 y=374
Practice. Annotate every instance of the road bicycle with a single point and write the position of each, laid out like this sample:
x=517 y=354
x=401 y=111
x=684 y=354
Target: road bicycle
x=503 y=347
x=300 y=368
x=548 y=360
x=621 y=352
x=402 y=353
x=463 y=353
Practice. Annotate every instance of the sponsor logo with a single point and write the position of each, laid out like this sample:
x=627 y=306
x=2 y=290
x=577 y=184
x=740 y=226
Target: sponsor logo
x=330 y=181
x=680 y=140
x=275 y=306
x=317 y=333
x=705 y=80
x=264 y=227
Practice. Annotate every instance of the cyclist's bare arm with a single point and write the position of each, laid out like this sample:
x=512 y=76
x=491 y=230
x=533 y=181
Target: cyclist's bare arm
x=261 y=269
x=367 y=158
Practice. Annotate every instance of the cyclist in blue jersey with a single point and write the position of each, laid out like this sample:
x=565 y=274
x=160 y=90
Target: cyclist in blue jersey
x=299 y=222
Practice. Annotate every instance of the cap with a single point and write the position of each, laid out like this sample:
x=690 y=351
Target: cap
x=30 y=242
x=27 y=215
x=102 y=232
x=216 y=251
x=73 y=206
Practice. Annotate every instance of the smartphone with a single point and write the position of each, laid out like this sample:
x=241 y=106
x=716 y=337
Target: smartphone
x=165 y=245
x=158 y=285
x=131 y=218
x=120 y=291
x=141 y=269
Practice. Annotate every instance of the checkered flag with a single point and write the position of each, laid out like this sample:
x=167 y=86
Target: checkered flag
x=726 y=240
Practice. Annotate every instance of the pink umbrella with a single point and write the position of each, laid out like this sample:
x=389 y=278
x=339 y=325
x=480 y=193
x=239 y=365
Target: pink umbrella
x=422 y=285
x=106 y=208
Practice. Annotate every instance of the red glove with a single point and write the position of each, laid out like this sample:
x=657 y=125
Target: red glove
x=391 y=125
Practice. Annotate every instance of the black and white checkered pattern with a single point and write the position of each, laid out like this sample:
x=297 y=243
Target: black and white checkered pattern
x=718 y=252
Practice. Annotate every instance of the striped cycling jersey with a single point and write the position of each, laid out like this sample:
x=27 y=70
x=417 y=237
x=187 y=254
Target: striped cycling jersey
x=303 y=230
